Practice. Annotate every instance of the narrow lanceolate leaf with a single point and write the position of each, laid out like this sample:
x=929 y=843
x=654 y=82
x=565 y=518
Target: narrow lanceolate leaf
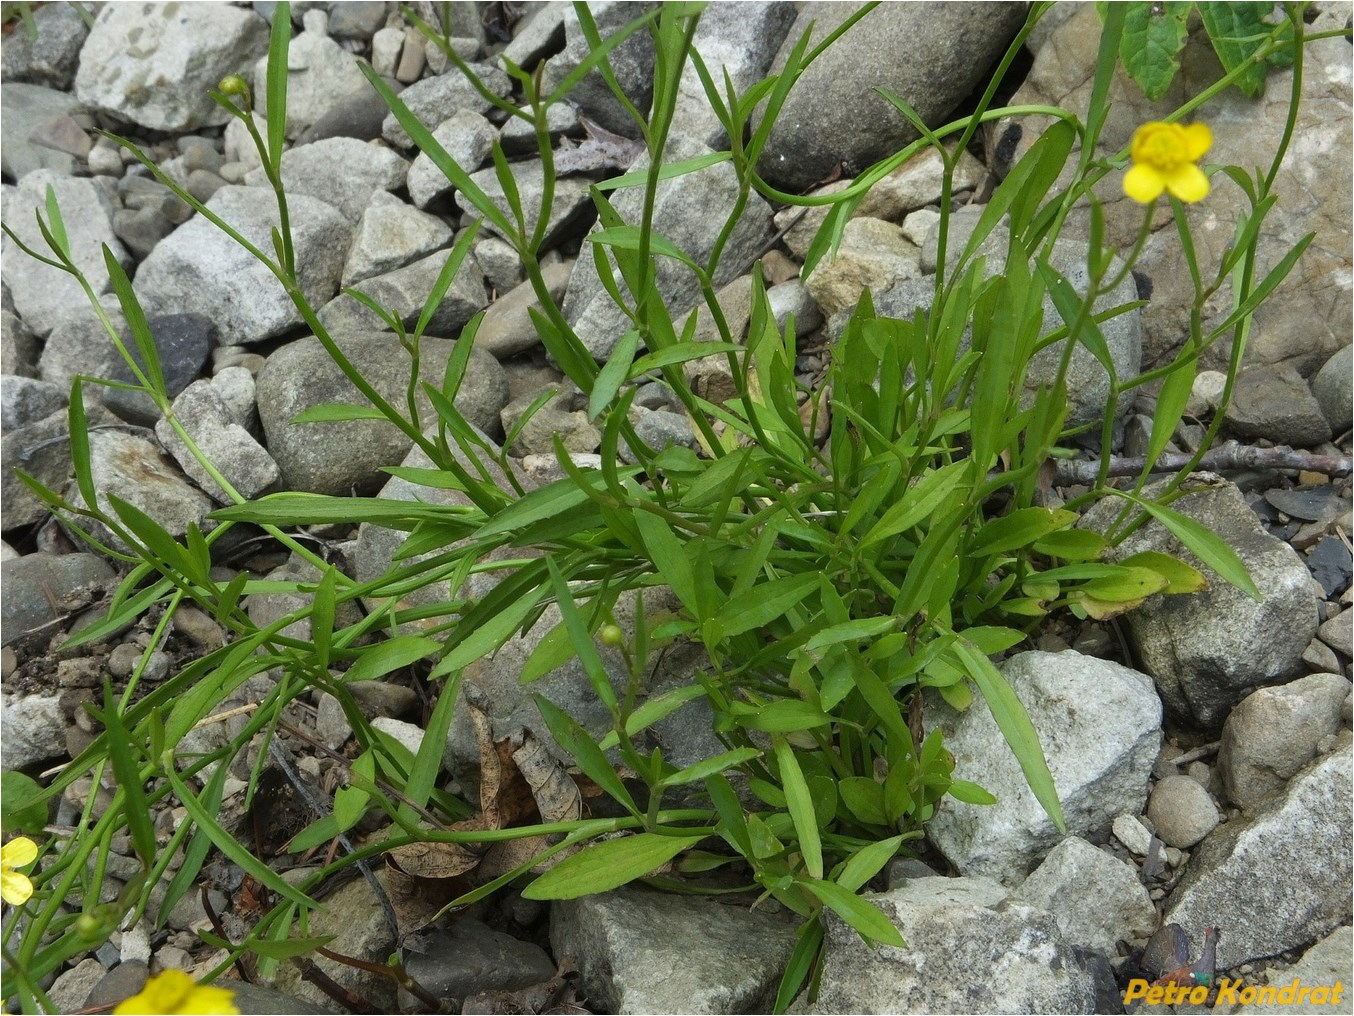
x=1014 y=723
x=800 y=804
x=392 y=654
x=608 y=865
x=571 y=736
x=867 y=862
x=773 y=599
x=871 y=922
x=1207 y=546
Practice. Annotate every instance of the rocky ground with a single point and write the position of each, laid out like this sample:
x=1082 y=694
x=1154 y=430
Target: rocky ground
x=1202 y=749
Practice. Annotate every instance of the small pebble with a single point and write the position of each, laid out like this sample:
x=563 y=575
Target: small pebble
x=412 y=58
x=1132 y=833
x=1182 y=811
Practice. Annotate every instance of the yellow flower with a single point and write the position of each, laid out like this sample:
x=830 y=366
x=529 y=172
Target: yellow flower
x=15 y=887
x=1164 y=157
x=174 y=992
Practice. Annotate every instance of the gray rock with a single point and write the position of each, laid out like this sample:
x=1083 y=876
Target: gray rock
x=142 y=229
x=41 y=450
x=468 y=138
x=1331 y=387
x=321 y=74
x=48 y=58
x=235 y=386
x=470 y=957
x=334 y=458
x=155 y=66
x=1100 y=726
x=386 y=44
x=343 y=172
x=433 y=100
x=507 y=328
x=641 y=951
x=965 y=953
x=873 y=255
x=1338 y=633
x=199 y=268
x=518 y=136
x=135 y=470
x=44 y=295
x=1274 y=732
x=632 y=61
x=354 y=917
x=1326 y=964
x=183 y=343
x=389 y=236
x=1095 y=898
x=689 y=210
x=791 y=298
x=537 y=436
x=73 y=986
x=658 y=429
x=571 y=207
x=79 y=344
x=24 y=111
x=916 y=184
x=33 y=729
x=1292 y=858
x=1182 y=811
x=1205 y=650
x=537 y=35
x=358 y=115
x=18 y=347
x=241 y=460
x=499 y=261
x=404 y=292
x=739 y=41
x=357 y=20
x=1130 y=831
x=932 y=54
x=1275 y=403
x=24 y=400
x=33 y=589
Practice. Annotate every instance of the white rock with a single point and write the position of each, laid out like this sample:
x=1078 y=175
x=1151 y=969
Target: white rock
x=343 y=172
x=390 y=235
x=385 y=51
x=154 y=64
x=468 y=138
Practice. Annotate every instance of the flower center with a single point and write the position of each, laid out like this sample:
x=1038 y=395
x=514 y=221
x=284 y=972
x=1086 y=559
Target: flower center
x=1163 y=150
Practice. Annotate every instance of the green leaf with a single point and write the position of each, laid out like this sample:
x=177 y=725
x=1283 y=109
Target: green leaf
x=1126 y=584
x=1238 y=30
x=581 y=639
x=851 y=631
x=864 y=797
x=606 y=865
x=613 y=374
x=808 y=942
x=768 y=602
x=1015 y=726
x=924 y=498
x=1154 y=34
x=322 y=616
x=279 y=43
x=1019 y=529
x=779 y=716
x=319 y=832
x=23 y=808
x=712 y=766
x=669 y=557
x=871 y=922
x=800 y=805
x=571 y=736
x=273 y=949
x=1071 y=544
x=136 y=321
x=654 y=709
x=392 y=654
x=867 y=862
x=1180 y=577
x=1207 y=546
x=970 y=793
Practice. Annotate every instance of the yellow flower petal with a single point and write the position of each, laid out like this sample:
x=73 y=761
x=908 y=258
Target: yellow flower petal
x=1143 y=184
x=1198 y=140
x=18 y=852
x=174 y=992
x=15 y=889
x=1188 y=183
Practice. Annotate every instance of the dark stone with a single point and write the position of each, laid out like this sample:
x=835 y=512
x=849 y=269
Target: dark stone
x=1331 y=565
x=1311 y=504
x=184 y=342
x=34 y=588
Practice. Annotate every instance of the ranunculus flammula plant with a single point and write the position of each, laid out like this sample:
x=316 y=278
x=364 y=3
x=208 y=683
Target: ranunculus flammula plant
x=1164 y=159
x=15 y=886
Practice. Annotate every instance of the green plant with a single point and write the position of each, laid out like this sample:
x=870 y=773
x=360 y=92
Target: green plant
x=833 y=552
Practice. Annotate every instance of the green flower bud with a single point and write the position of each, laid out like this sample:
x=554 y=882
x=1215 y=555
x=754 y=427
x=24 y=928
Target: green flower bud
x=234 y=84
x=611 y=635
